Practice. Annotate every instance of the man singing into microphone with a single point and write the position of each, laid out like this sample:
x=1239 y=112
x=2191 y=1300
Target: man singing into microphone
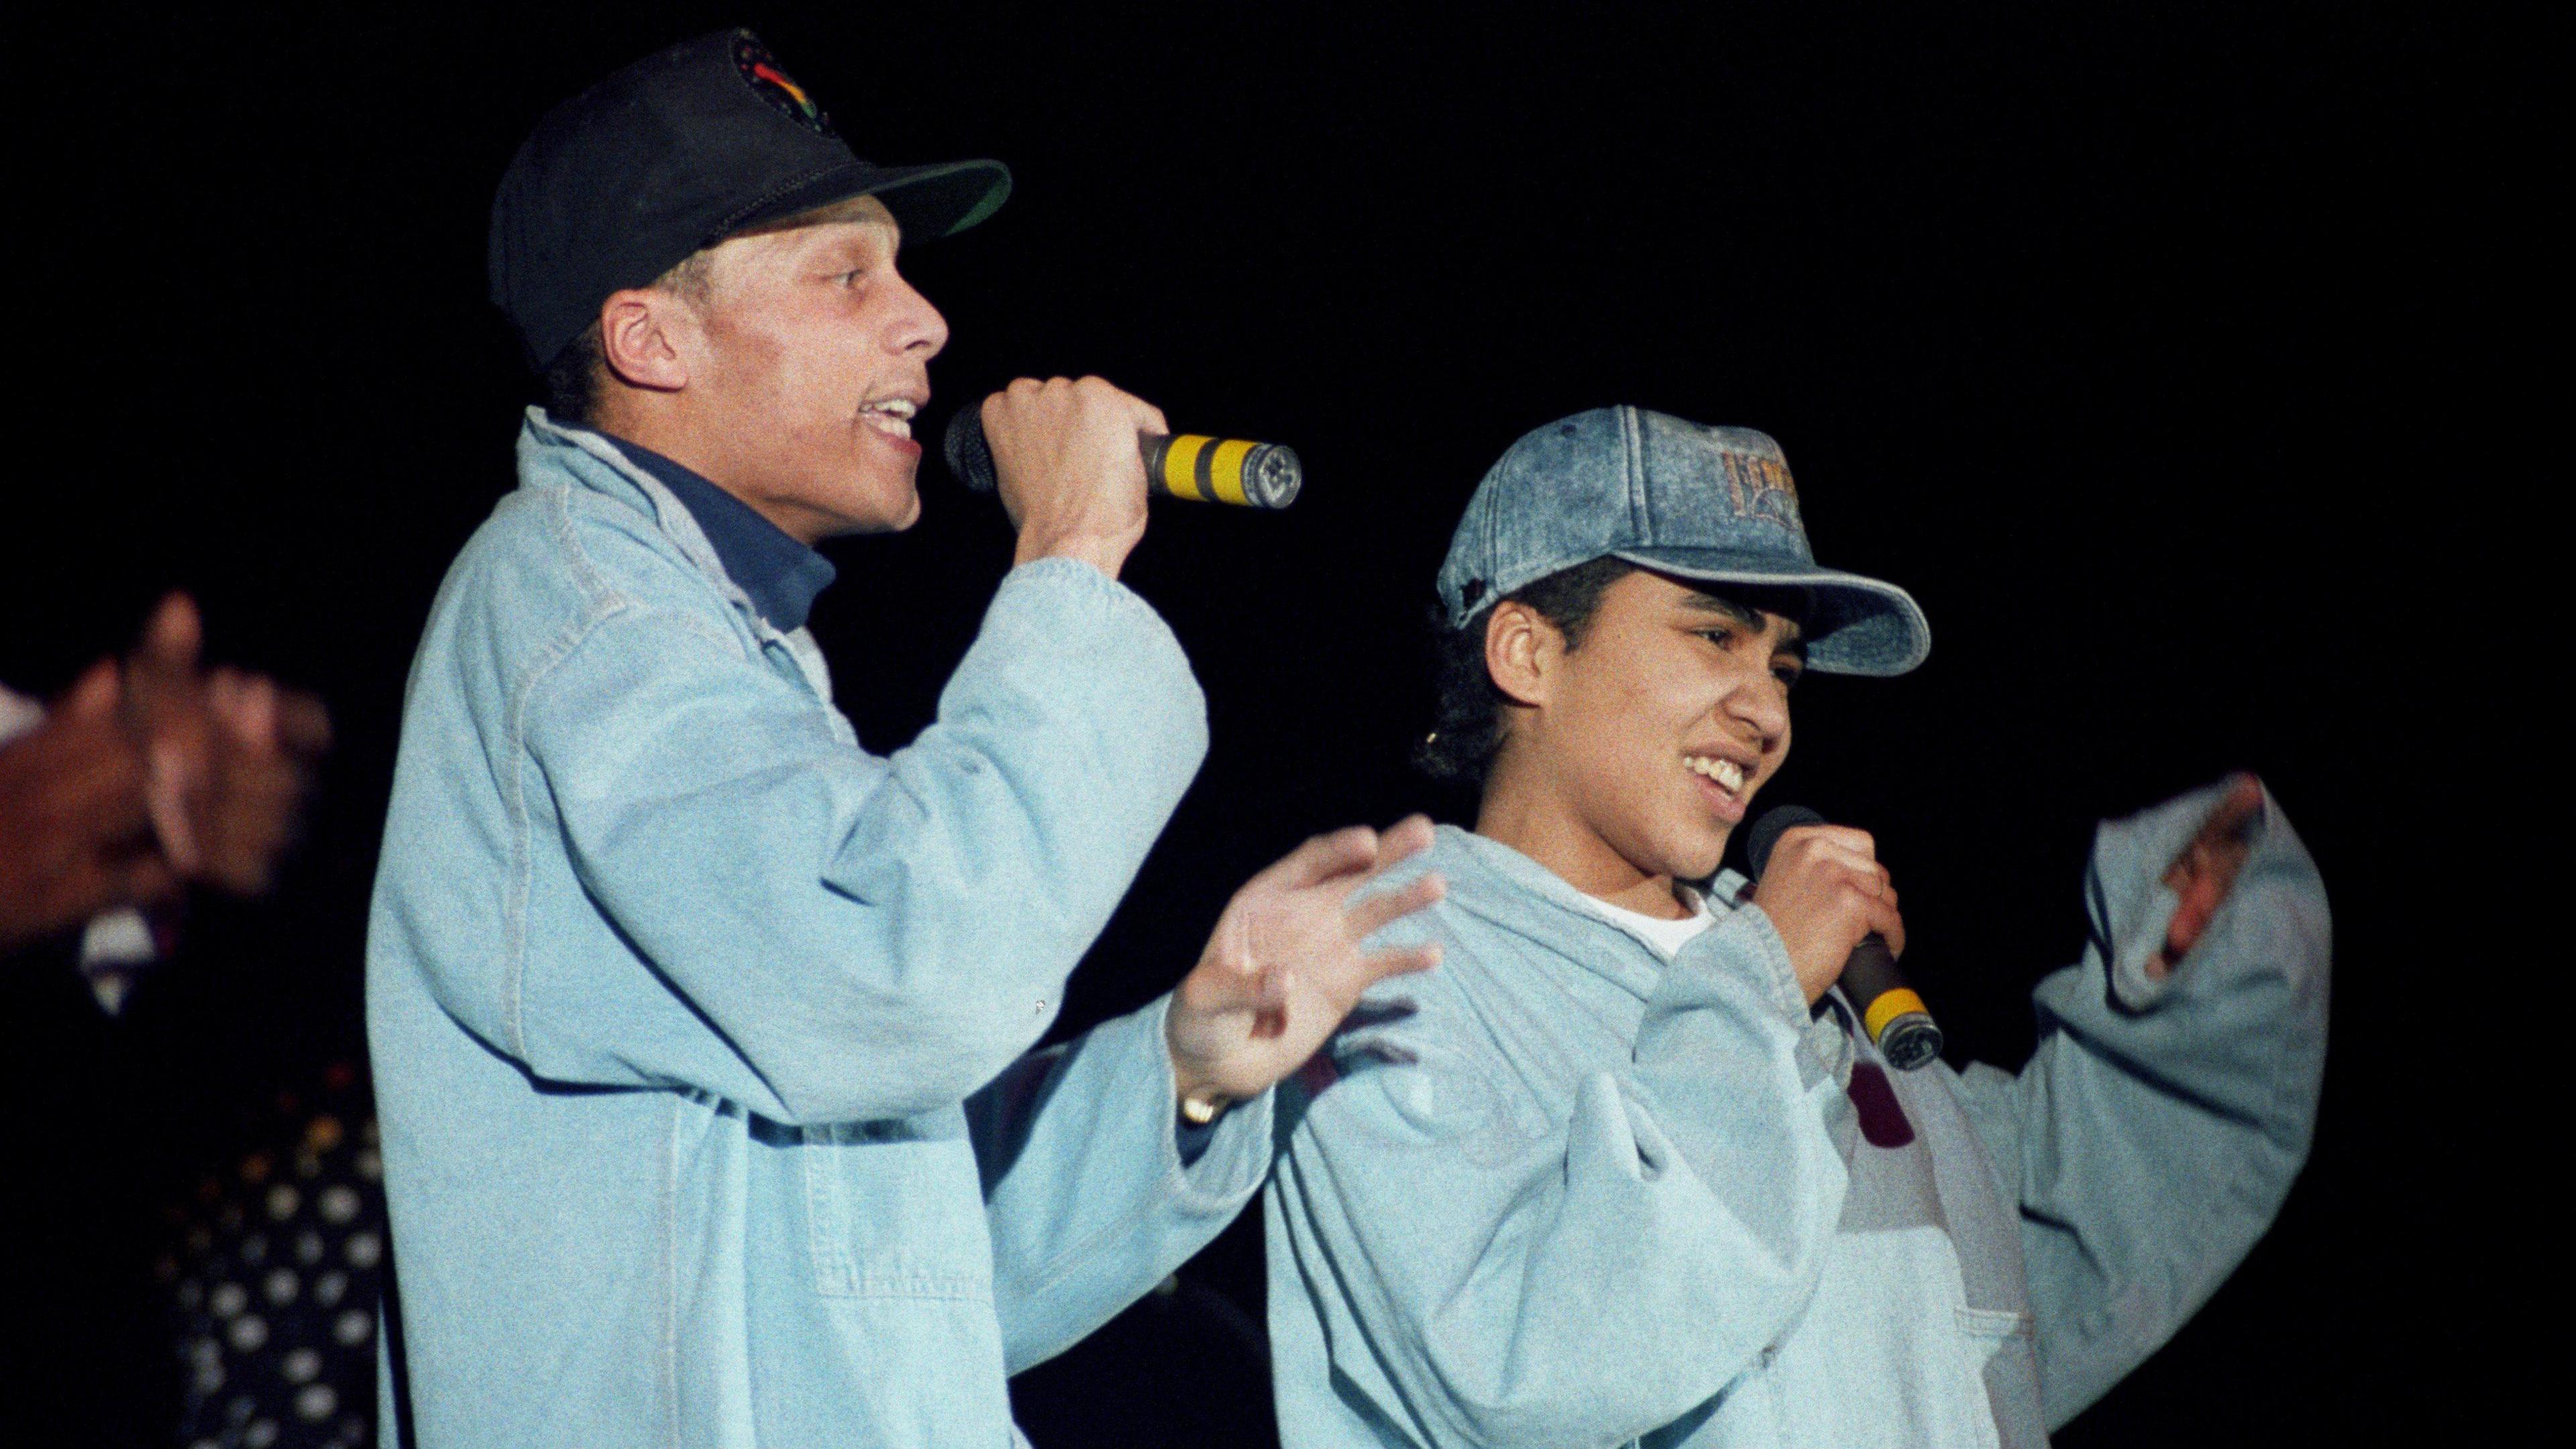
x=1623 y=1170
x=697 y=1029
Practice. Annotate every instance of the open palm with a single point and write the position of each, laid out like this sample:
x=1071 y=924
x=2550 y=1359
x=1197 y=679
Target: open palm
x=1286 y=962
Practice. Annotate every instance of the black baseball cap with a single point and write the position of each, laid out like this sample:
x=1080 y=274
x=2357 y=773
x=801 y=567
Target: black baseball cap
x=677 y=152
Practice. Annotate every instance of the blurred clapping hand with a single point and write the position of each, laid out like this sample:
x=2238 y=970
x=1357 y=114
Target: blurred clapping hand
x=148 y=776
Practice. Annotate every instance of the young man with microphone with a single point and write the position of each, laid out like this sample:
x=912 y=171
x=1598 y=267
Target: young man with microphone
x=698 y=1030
x=1630 y=1167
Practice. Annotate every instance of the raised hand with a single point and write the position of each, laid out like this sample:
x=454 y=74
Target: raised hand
x=1068 y=469
x=2206 y=870
x=1286 y=965
x=1824 y=889
x=75 y=837
x=229 y=755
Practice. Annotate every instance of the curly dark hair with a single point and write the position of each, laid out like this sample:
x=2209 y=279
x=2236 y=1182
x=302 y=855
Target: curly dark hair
x=1467 y=719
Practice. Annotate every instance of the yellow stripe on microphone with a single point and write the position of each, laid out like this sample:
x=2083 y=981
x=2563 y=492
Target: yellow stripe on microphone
x=1888 y=1007
x=1180 y=466
x=1225 y=470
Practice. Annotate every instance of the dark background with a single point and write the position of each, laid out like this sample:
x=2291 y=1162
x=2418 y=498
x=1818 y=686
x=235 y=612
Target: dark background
x=2169 y=356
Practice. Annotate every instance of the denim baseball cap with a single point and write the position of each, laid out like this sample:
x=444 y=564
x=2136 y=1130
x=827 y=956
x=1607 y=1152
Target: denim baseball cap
x=1681 y=498
x=677 y=152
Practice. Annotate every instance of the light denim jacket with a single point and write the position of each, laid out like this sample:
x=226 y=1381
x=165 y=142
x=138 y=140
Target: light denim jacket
x=698 y=1031
x=1563 y=1193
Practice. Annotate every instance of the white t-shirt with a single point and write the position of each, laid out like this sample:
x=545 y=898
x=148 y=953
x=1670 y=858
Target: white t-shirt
x=1665 y=938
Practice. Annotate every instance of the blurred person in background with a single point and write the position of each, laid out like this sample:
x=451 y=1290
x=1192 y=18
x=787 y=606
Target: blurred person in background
x=151 y=775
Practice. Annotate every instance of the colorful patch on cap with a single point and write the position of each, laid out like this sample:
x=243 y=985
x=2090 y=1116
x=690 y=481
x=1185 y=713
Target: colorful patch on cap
x=1759 y=487
x=771 y=82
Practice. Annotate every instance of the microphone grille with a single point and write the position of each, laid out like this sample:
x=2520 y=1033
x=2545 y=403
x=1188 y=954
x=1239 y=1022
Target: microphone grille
x=1768 y=830
x=968 y=455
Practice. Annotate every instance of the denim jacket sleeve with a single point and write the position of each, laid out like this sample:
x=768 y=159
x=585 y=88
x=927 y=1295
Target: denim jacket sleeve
x=1586 y=1280
x=1078 y=1231
x=853 y=937
x=2157 y=1129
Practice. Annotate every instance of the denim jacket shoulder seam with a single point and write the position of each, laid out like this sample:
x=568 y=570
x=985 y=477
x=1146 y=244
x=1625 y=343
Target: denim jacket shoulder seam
x=696 y=555
x=532 y=680
x=607 y=604
x=586 y=574
x=609 y=596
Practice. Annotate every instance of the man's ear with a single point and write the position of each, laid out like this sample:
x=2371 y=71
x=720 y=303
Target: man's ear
x=644 y=335
x=1521 y=652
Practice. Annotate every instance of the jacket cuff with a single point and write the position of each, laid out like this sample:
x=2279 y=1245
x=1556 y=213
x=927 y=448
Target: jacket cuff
x=1071 y=591
x=2130 y=984
x=1069 y=613
x=2132 y=907
x=1774 y=972
x=1226 y=1161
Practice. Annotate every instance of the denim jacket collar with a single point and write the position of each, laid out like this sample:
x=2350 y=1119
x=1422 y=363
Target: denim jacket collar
x=782 y=574
x=1492 y=880
x=656 y=497
x=542 y=435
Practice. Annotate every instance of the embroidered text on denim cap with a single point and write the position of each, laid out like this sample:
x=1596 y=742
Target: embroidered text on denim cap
x=1759 y=487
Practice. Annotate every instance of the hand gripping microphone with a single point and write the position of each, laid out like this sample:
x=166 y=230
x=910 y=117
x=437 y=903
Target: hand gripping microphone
x=1182 y=465
x=1897 y=1021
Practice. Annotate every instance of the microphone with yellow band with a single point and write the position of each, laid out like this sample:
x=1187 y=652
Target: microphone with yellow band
x=1183 y=465
x=1891 y=1015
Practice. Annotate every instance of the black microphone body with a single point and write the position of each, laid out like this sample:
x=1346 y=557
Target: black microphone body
x=1891 y=1014
x=1179 y=465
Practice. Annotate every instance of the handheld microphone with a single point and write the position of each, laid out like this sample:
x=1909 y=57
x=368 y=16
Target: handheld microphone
x=1895 y=1019
x=1181 y=465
